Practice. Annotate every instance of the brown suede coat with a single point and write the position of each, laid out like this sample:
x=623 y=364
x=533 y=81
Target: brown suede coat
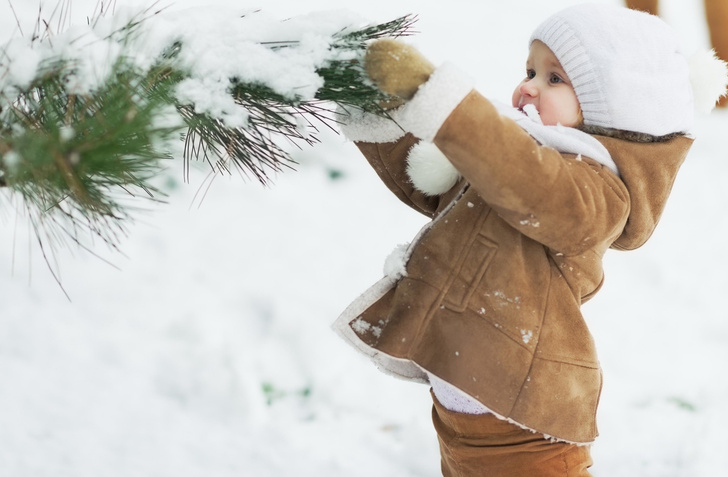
x=491 y=299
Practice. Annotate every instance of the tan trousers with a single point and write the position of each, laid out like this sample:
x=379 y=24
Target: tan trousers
x=716 y=14
x=485 y=446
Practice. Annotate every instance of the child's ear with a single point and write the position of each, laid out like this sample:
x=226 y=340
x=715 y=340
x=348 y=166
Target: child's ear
x=396 y=68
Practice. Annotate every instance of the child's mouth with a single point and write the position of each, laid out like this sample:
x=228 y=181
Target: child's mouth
x=530 y=111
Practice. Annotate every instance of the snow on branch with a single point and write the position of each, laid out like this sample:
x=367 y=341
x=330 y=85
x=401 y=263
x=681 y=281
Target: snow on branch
x=88 y=115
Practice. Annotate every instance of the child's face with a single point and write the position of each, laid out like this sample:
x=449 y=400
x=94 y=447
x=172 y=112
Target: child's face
x=547 y=87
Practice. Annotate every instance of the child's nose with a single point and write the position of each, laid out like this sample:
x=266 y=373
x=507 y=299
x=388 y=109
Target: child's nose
x=528 y=88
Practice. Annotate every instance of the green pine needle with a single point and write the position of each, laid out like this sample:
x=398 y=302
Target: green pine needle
x=256 y=150
x=76 y=160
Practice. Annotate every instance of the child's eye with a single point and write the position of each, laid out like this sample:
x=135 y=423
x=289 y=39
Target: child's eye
x=555 y=79
x=530 y=74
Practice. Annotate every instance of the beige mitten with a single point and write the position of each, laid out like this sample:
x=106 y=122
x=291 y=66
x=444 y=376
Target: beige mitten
x=396 y=68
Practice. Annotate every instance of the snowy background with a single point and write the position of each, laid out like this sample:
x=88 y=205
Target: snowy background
x=206 y=349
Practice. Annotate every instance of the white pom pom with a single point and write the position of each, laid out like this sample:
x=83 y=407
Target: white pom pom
x=708 y=77
x=429 y=170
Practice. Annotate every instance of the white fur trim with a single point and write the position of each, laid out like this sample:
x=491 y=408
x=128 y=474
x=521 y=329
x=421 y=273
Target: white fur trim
x=434 y=101
x=708 y=77
x=429 y=170
x=358 y=125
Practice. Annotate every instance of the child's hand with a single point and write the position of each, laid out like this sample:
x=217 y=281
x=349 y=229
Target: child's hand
x=396 y=68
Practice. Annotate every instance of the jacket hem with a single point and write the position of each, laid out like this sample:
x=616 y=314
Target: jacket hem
x=397 y=367
x=549 y=438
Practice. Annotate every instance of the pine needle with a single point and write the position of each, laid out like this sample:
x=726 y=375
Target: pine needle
x=76 y=159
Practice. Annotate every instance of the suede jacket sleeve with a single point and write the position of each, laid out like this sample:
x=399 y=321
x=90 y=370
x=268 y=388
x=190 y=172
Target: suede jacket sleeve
x=565 y=202
x=568 y=203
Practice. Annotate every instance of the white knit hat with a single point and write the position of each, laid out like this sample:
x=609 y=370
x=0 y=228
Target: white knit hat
x=627 y=67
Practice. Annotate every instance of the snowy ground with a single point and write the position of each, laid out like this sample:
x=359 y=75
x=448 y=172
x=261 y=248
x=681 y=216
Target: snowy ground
x=208 y=351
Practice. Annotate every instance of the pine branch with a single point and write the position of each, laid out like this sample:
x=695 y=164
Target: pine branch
x=77 y=156
x=273 y=114
x=73 y=158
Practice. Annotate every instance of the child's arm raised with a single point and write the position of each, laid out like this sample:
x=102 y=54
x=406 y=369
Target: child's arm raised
x=565 y=202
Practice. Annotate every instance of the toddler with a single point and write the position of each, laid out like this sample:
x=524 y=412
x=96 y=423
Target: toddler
x=484 y=304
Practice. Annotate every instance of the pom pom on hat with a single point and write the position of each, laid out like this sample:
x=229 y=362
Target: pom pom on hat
x=627 y=68
x=709 y=78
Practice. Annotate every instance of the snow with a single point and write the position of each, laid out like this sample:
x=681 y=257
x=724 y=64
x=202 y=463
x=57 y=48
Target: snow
x=206 y=348
x=209 y=38
x=288 y=71
x=532 y=113
x=396 y=262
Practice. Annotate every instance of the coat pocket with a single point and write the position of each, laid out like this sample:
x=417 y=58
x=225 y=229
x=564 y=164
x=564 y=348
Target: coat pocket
x=469 y=274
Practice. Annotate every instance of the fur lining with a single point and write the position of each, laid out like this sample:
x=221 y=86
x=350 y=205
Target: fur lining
x=630 y=136
x=561 y=138
x=429 y=170
x=434 y=101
